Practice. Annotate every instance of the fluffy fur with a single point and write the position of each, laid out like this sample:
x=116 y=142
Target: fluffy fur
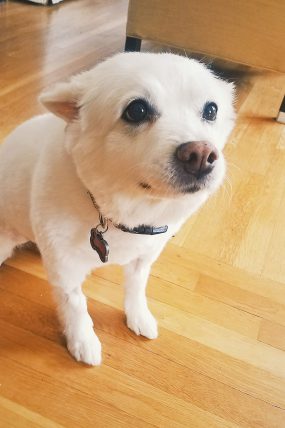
x=49 y=162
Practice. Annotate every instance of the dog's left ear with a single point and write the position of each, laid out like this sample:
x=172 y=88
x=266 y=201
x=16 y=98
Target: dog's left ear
x=62 y=100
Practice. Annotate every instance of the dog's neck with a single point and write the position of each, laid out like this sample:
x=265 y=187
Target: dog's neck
x=141 y=229
x=133 y=210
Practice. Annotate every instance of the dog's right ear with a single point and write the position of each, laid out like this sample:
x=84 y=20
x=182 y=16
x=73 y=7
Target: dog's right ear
x=62 y=100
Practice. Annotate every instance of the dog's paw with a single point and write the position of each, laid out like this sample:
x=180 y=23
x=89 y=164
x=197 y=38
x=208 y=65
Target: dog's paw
x=85 y=348
x=142 y=322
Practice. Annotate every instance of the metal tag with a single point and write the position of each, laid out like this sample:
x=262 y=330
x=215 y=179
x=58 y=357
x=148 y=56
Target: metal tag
x=99 y=244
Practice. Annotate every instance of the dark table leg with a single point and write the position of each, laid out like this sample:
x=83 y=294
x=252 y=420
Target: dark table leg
x=133 y=44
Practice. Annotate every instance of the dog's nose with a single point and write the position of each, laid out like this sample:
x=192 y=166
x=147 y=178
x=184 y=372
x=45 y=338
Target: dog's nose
x=198 y=157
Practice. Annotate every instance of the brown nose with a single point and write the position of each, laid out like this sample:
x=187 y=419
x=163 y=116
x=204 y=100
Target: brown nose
x=198 y=157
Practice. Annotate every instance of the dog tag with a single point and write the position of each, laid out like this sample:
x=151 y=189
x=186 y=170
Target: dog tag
x=99 y=244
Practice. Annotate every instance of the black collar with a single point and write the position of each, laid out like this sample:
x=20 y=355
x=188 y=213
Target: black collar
x=138 y=230
x=143 y=229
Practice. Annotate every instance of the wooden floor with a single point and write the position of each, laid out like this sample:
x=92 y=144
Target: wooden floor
x=218 y=290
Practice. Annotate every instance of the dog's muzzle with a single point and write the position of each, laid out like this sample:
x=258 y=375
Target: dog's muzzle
x=197 y=157
x=192 y=164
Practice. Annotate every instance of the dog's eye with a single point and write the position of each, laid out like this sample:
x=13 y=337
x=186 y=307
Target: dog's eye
x=136 y=112
x=210 y=111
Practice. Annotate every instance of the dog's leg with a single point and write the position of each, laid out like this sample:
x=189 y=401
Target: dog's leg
x=8 y=241
x=66 y=275
x=139 y=317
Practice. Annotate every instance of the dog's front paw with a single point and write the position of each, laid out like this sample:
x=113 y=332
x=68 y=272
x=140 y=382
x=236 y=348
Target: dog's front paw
x=142 y=322
x=85 y=347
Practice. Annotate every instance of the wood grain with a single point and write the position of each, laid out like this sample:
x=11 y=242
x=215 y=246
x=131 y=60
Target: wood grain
x=217 y=290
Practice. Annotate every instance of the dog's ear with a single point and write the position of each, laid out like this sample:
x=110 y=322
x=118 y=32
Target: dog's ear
x=62 y=100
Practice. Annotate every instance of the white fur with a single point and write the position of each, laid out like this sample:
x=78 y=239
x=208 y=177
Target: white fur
x=48 y=163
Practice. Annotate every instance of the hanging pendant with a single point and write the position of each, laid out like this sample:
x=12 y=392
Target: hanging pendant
x=99 y=244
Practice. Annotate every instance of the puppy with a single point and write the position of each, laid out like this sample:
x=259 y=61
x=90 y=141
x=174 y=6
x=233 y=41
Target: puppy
x=129 y=151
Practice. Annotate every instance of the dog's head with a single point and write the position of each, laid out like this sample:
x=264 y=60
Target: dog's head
x=146 y=123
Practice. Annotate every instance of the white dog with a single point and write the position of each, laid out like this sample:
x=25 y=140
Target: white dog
x=131 y=149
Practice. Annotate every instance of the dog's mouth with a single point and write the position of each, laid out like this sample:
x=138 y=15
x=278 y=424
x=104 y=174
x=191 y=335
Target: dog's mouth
x=178 y=181
x=190 y=184
x=175 y=184
x=191 y=189
x=193 y=167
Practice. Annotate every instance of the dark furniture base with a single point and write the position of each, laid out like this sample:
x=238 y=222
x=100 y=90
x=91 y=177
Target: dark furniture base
x=132 y=44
